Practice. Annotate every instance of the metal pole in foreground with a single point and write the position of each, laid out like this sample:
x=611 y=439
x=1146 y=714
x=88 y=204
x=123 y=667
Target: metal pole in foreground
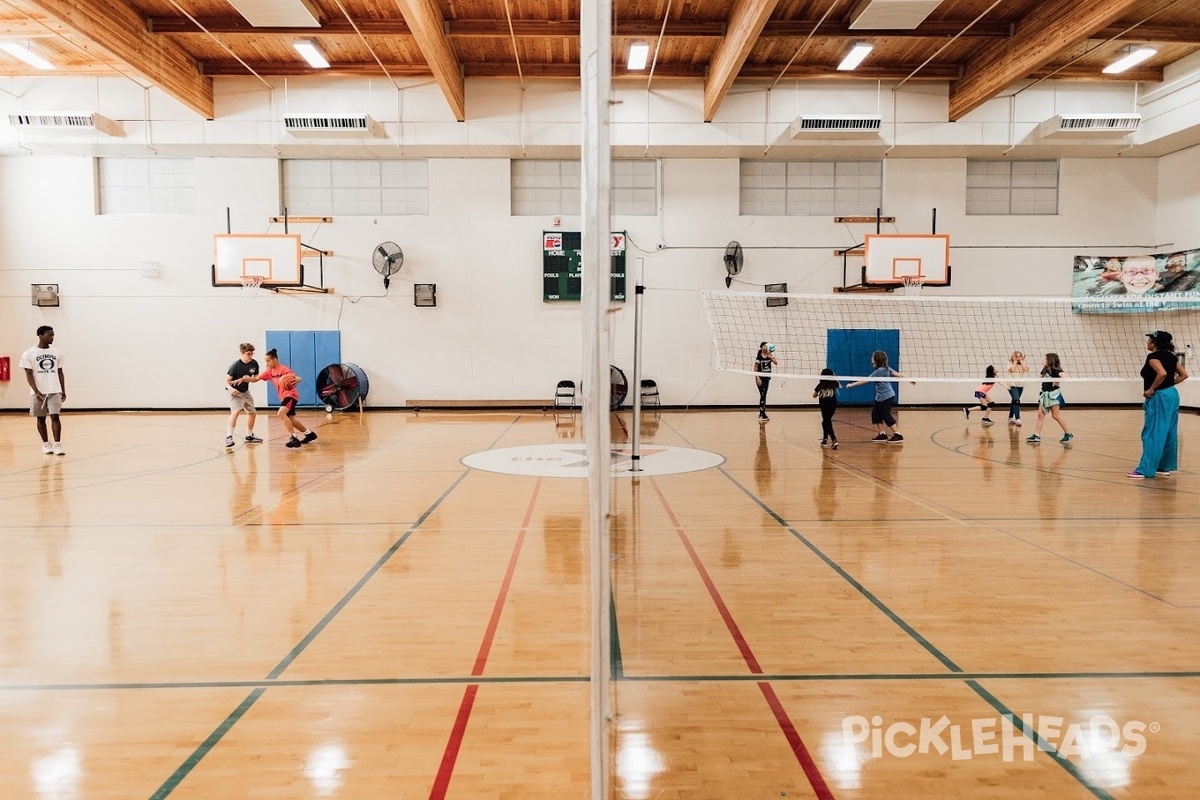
x=635 y=461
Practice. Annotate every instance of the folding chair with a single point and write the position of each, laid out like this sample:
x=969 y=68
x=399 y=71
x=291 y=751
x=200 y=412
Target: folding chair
x=650 y=393
x=564 y=394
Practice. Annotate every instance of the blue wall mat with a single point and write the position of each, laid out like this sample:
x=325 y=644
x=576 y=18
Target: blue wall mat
x=307 y=353
x=849 y=353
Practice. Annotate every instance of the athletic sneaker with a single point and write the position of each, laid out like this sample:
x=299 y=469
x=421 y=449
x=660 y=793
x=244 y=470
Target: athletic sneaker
x=1137 y=476
x=229 y=441
x=47 y=448
x=1034 y=439
x=824 y=443
x=985 y=422
x=834 y=447
x=896 y=438
x=1017 y=422
x=763 y=418
x=1067 y=437
x=883 y=437
x=292 y=443
x=308 y=438
x=966 y=412
x=252 y=439
x=1163 y=473
x=58 y=449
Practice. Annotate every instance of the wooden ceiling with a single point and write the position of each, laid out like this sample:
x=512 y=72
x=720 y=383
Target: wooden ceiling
x=980 y=47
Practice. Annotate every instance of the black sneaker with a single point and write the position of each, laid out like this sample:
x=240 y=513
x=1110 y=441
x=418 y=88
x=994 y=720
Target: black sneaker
x=308 y=437
x=896 y=438
x=834 y=447
x=763 y=418
x=228 y=442
x=252 y=439
x=966 y=412
x=824 y=443
x=292 y=443
x=883 y=437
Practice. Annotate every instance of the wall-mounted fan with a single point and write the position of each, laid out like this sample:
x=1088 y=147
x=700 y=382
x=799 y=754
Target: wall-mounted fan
x=387 y=258
x=733 y=262
x=342 y=386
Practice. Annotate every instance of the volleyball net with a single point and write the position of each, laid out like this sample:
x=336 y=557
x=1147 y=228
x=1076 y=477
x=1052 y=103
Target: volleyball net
x=945 y=339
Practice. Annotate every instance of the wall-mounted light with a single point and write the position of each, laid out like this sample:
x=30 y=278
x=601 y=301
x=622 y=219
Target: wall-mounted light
x=639 y=54
x=1131 y=58
x=311 y=54
x=856 y=55
x=26 y=54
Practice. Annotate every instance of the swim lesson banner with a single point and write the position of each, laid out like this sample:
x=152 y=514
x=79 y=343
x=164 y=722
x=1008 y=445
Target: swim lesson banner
x=1155 y=277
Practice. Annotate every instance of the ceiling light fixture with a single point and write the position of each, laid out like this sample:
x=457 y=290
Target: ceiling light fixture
x=1133 y=57
x=26 y=54
x=855 y=56
x=639 y=54
x=311 y=54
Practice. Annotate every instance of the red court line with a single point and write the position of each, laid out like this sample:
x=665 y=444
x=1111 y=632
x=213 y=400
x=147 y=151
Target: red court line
x=811 y=771
x=446 y=769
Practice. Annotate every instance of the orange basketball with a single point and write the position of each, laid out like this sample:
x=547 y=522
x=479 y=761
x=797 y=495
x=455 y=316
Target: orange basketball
x=290 y=381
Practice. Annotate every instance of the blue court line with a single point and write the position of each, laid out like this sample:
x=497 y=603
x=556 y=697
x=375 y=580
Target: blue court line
x=1096 y=790
x=208 y=744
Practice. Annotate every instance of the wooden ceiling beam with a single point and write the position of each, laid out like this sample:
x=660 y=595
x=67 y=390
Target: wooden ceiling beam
x=746 y=21
x=428 y=28
x=31 y=28
x=115 y=29
x=1164 y=34
x=1076 y=72
x=1051 y=27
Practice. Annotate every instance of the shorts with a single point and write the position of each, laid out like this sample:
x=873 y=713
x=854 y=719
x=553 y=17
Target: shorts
x=51 y=406
x=982 y=398
x=290 y=404
x=241 y=401
x=881 y=412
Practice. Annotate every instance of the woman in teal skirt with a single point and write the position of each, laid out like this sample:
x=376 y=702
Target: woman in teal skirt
x=1160 y=431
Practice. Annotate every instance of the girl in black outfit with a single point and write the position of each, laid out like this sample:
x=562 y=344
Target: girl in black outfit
x=826 y=394
x=763 y=360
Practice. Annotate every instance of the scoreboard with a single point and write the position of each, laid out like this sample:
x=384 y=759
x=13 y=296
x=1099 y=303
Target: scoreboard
x=562 y=265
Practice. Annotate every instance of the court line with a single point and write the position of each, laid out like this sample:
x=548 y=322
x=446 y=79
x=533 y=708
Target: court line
x=441 y=781
x=616 y=664
x=284 y=683
x=184 y=769
x=1069 y=766
x=811 y=771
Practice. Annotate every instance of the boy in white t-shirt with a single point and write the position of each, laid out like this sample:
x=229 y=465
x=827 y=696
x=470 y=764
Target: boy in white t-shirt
x=47 y=388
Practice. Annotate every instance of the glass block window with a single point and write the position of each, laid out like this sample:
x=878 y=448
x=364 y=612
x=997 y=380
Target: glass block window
x=146 y=185
x=1012 y=187
x=552 y=188
x=356 y=188
x=811 y=188
x=545 y=187
x=634 y=187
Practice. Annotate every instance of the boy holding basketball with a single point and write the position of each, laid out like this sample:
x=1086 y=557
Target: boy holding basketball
x=238 y=378
x=286 y=382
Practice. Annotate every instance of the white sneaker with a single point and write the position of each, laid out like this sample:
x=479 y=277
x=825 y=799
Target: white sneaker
x=1017 y=422
x=47 y=448
x=58 y=449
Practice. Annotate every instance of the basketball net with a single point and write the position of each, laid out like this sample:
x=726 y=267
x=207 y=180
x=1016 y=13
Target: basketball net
x=252 y=286
x=912 y=285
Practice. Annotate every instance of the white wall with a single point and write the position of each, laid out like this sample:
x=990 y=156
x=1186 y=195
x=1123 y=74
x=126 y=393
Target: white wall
x=165 y=342
x=1179 y=208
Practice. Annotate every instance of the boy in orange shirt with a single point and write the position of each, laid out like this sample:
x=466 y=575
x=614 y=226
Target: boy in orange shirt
x=286 y=382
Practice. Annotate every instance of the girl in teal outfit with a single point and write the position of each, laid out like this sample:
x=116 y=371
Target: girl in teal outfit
x=1161 y=373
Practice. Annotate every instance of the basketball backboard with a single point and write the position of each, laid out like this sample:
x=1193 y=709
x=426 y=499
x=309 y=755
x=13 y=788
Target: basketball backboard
x=273 y=257
x=891 y=257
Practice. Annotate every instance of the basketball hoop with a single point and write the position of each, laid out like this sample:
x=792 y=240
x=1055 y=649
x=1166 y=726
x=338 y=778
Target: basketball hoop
x=912 y=285
x=252 y=286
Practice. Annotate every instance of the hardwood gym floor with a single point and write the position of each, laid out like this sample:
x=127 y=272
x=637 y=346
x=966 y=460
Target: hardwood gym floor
x=366 y=618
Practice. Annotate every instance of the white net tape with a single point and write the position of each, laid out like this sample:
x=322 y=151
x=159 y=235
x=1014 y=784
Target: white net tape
x=949 y=339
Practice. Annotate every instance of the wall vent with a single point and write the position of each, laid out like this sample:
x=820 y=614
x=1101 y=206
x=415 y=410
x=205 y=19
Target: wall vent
x=1091 y=125
x=835 y=126
x=358 y=127
x=66 y=122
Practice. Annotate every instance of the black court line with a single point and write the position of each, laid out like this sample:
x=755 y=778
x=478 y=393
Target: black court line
x=1067 y=765
x=616 y=665
x=208 y=744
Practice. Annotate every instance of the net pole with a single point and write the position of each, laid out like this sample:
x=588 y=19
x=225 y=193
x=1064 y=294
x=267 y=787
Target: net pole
x=635 y=459
x=596 y=77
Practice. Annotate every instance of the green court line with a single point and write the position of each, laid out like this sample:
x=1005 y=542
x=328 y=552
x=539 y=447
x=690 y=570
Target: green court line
x=1083 y=780
x=184 y=769
x=616 y=665
x=75 y=687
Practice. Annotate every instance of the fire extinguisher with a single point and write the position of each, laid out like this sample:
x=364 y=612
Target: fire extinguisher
x=5 y=369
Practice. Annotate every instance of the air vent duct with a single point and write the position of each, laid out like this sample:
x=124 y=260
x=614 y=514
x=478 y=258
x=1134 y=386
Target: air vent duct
x=896 y=15
x=355 y=127
x=1091 y=125
x=63 y=122
x=278 y=13
x=835 y=126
